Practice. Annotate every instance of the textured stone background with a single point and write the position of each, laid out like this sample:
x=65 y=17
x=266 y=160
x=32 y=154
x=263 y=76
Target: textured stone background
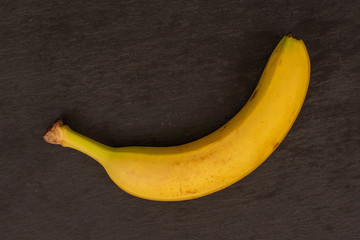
x=165 y=73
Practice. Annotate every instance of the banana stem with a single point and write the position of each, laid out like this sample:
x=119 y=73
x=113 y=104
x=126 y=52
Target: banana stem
x=65 y=136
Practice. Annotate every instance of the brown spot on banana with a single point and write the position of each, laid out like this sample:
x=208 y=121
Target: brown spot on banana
x=253 y=95
x=276 y=145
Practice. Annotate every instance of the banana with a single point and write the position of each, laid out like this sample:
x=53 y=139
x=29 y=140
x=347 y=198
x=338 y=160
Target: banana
x=220 y=159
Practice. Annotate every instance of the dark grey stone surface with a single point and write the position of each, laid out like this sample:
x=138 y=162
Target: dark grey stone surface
x=163 y=73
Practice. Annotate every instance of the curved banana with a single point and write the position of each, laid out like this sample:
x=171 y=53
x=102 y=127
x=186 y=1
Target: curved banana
x=220 y=159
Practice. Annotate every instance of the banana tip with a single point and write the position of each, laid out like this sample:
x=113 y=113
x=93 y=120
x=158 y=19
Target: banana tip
x=54 y=133
x=292 y=36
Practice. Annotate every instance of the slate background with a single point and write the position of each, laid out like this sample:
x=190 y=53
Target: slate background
x=163 y=73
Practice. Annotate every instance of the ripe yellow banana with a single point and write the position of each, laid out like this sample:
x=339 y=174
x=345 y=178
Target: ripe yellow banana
x=220 y=159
